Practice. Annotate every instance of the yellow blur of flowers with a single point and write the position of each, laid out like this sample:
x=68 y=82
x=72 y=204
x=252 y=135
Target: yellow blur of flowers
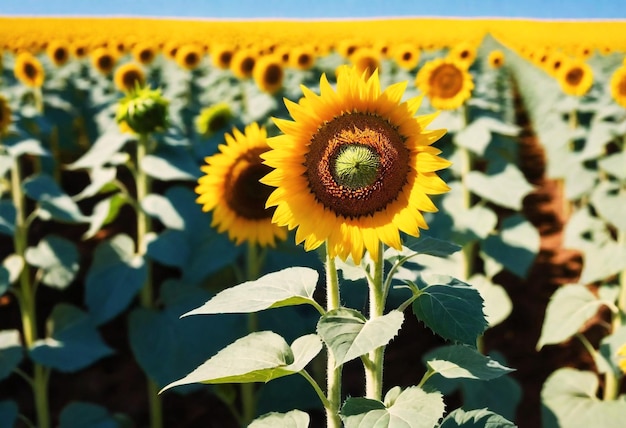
x=29 y=70
x=445 y=82
x=355 y=167
x=231 y=189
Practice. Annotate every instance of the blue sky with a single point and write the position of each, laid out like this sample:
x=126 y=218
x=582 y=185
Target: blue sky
x=547 y=9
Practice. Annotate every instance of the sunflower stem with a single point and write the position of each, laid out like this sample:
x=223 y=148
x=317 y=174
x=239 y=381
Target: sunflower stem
x=144 y=225
x=333 y=374
x=26 y=298
x=374 y=372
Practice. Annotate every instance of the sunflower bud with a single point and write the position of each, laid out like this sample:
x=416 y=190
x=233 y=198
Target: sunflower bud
x=144 y=110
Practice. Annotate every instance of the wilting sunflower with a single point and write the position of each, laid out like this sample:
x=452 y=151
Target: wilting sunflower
x=212 y=119
x=58 y=52
x=366 y=60
x=231 y=189
x=128 y=76
x=447 y=84
x=29 y=70
x=5 y=115
x=463 y=53
x=243 y=62
x=221 y=55
x=406 y=55
x=496 y=59
x=302 y=57
x=355 y=167
x=618 y=86
x=103 y=60
x=189 y=56
x=144 y=53
x=268 y=73
x=575 y=77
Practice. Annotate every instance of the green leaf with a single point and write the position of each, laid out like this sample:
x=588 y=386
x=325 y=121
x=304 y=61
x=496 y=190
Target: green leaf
x=170 y=163
x=258 y=357
x=293 y=419
x=79 y=414
x=349 y=335
x=13 y=265
x=569 y=400
x=412 y=408
x=579 y=180
x=614 y=164
x=477 y=135
x=288 y=287
x=161 y=208
x=104 y=213
x=115 y=276
x=423 y=245
x=459 y=361
x=100 y=177
x=57 y=258
x=502 y=395
x=479 y=418
x=516 y=246
x=569 y=309
x=506 y=188
x=29 y=146
x=8 y=413
x=7 y=217
x=497 y=303
x=102 y=150
x=11 y=352
x=74 y=342
x=52 y=199
x=454 y=311
x=609 y=200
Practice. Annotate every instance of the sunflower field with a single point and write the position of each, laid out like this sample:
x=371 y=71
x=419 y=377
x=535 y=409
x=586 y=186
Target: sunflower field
x=424 y=219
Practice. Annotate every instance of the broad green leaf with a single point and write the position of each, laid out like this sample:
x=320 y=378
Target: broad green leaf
x=412 y=408
x=477 y=135
x=8 y=413
x=569 y=309
x=161 y=208
x=459 y=361
x=293 y=419
x=102 y=150
x=170 y=163
x=516 y=246
x=506 y=188
x=100 y=177
x=57 y=258
x=29 y=146
x=502 y=395
x=579 y=180
x=569 y=400
x=278 y=395
x=609 y=200
x=53 y=201
x=13 y=265
x=454 y=311
x=614 y=164
x=103 y=213
x=423 y=245
x=114 y=277
x=479 y=418
x=73 y=342
x=349 y=335
x=79 y=414
x=11 y=352
x=498 y=305
x=600 y=134
x=7 y=217
x=258 y=357
x=291 y=286
x=467 y=224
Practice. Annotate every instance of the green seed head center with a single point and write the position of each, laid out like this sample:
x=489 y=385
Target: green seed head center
x=356 y=166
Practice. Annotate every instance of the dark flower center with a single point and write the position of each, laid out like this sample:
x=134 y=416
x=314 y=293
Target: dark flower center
x=245 y=194
x=130 y=77
x=273 y=74
x=446 y=81
x=30 y=70
x=574 y=76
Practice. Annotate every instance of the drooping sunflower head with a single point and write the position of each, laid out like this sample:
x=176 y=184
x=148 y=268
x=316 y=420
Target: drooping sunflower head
x=144 y=53
x=144 y=110
x=103 y=60
x=575 y=77
x=212 y=119
x=29 y=70
x=128 y=76
x=268 y=74
x=366 y=60
x=406 y=55
x=242 y=63
x=446 y=83
x=355 y=167
x=495 y=58
x=189 y=56
x=58 y=52
x=232 y=190
x=618 y=86
x=5 y=115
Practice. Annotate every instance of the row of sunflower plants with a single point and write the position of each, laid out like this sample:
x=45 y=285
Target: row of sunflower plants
x=145 y=150
x=578 y=109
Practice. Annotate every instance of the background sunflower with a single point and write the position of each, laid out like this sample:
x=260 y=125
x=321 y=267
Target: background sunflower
x=446 y=83
x=29 y=70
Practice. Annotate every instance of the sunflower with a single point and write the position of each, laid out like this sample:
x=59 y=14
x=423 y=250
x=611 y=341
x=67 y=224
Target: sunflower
x=355 y=167
x=144 y=53
x=555 y=62
x=221 y=55
x=463 y=53
x=5 y=115
x=495 y=59
x=366 y=60
x=575 y=77
x=79 y=48
x=268 y=73
x=212 y=119
x=621 y=353
x=302 y=57
x=406 y=55
x=447 y=84
x=128 y=76
x=347 y=47
x=58 y=53
x=242 y=63
x=170 y=49
x=29 y=70
x=103 y=60
x=231 y=189
x=618 y=86
x=189 y=56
